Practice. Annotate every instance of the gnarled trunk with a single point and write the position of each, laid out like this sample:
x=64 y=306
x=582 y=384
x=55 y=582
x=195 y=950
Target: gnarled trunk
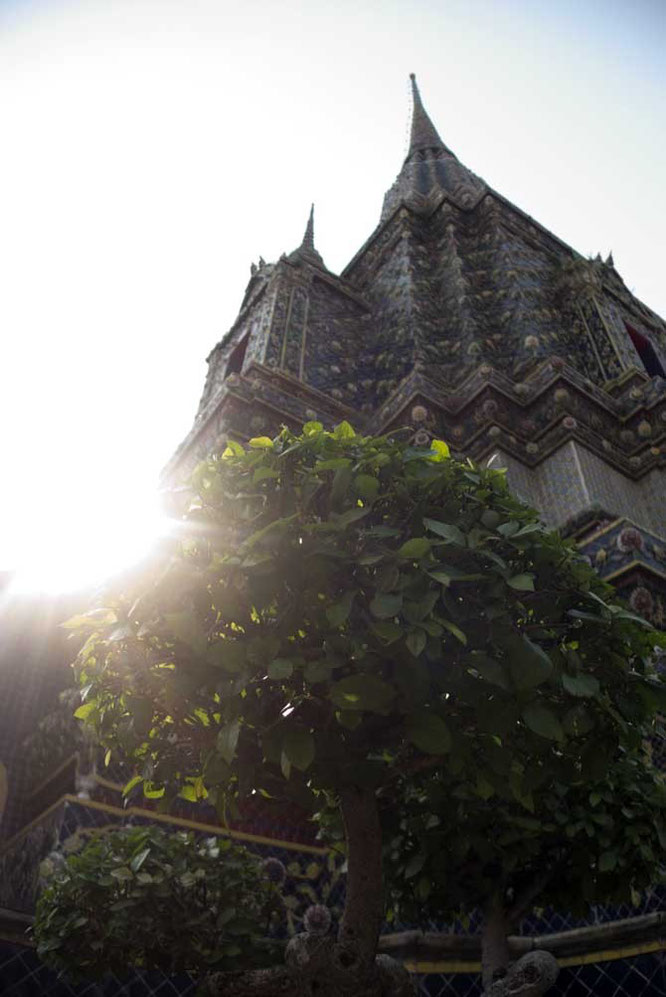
x=531 y=976
x=321 y=966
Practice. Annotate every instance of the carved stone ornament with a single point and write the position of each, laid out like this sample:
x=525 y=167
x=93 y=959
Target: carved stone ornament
x=531 y=976
x=318 y=966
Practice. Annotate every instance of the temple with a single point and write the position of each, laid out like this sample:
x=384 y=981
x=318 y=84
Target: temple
x=462 y=318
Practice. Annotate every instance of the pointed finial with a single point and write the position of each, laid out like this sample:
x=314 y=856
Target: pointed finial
x=308 y=238
x=610 y=262
x=424 y=134
x=306 y=250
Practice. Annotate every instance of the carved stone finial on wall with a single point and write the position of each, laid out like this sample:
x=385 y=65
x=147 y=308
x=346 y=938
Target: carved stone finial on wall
x=578 y=280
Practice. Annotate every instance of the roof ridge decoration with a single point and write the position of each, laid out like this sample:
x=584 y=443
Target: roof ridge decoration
x=431 y=171
x=306 y=250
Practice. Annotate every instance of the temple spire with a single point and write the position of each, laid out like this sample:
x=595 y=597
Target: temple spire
x=306 y=250
x=308 y=238
x=424 y=134
x=431 y=171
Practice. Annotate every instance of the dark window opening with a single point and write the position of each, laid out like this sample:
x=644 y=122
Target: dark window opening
x=646 y=352
x=235 y=361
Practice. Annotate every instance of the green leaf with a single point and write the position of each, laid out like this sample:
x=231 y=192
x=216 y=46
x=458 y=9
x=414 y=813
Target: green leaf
x=366 y=486
x=388 y=631
x=416 y=640
x=483 y=788
x=129 y=786
x=529 y=664
x=382 y=531
x=521 y=583
x=139 y=859
x=509 y=529
x=414 y=865
x=449 y=531
x=490 y=670
x=95 y=619
x=312 y=428
x=386 y=605
x=445 y=575
x=343 y=431
x=261 y=442
x=85 y=710
x=280 y=668
x=453 y=628
x=339 y=521
x=607 y=861
x=415 y=612
x=233 y=449
x=584 y=685
x=122 y=874
x=362 y=692
x=415 y=548
x=317 y=671
x=340 y=487
x=543 y=722
x=439 y=450
x=227 y=740
x=333 y=464
x=428 y=732
x=338 y=613
x=577 y=721
x=141 y=710
x=299 y=747
x=262 y=473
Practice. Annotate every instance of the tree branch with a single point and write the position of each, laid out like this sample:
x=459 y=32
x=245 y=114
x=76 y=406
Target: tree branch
x=525 y=899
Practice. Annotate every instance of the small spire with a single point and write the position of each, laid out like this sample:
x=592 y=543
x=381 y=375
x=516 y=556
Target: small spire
x=307 y=250
x=424 y=134
x=308 y=238
x=610 y=262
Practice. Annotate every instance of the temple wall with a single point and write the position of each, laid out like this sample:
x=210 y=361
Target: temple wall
x=573 y=479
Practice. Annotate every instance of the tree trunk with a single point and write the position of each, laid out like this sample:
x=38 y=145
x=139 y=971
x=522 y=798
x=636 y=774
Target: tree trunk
x=364 y=903
x=531 y=976
x=494 y=944
x=321 y=966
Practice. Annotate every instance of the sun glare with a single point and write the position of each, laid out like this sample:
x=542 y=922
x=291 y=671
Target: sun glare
x=77 y=546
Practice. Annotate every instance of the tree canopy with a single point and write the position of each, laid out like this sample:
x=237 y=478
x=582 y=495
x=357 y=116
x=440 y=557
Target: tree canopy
x=337 y=610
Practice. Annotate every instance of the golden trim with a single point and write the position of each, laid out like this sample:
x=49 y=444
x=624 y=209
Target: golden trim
x=24 y=830
x=585 y=959
x=621 y=519
x=634 y=564
x=451 y=966
x=604 y=529
x=167 y=819
x=610 y=955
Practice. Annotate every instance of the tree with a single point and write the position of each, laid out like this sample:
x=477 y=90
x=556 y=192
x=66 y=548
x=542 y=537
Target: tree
x=143 y=897
x=381 y=632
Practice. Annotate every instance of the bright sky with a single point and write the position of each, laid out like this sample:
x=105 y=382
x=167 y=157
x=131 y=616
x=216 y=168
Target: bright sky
x=152 y=149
